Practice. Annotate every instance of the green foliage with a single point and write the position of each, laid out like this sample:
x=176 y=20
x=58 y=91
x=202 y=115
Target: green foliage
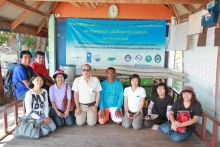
x=28 y=41
x=5 y=35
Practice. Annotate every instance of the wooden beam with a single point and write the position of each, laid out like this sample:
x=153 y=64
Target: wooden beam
x=88 y=6
x=171 y=8
x=2 y=4
x=186 y=16
x=22 y=1
x=75 y=4
x=43 y=22
x=22 y=29
x=138 y=1
x=189 y=7
x=26 y=7
x=93 y=5
x=23 y=16
x=175 y=13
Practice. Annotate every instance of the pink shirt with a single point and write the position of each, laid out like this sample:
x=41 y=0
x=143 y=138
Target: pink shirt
x=57 y=94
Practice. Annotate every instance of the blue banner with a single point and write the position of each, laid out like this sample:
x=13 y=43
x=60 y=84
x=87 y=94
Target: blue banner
x=115 y=42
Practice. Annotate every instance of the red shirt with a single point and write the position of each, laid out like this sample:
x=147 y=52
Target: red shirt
x=39 y=68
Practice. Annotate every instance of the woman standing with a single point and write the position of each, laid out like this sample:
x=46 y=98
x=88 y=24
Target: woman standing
x=36 y=101
x=134 y=97
x=57 y=93
x=186 y=102
x=159 y=106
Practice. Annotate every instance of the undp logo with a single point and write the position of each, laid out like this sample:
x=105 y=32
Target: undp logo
x=138 y=58
x=127 y=58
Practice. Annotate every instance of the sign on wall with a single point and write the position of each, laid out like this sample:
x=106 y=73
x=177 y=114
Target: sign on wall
x=180 y=39
x=115 y=42
x=195 y=26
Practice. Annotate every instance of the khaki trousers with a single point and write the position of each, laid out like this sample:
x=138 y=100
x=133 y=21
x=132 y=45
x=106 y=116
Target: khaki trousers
x=86 y=116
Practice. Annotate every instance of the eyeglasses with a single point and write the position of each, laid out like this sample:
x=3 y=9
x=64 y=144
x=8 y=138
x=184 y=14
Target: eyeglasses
x=87 y=70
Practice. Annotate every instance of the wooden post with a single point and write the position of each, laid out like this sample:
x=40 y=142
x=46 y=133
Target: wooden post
x=52 y=43
x=203 y=134
x=5 y=121
x=217 y=83
x=1 y=87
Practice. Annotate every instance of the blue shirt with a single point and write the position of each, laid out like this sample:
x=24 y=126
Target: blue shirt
x=21 y=73
x=111 y=95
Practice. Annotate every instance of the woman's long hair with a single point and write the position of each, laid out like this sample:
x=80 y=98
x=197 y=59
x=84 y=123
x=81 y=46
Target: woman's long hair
x=193 y=99
x=31 y=85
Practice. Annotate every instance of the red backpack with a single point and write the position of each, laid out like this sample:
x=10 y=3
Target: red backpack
x=182 y=116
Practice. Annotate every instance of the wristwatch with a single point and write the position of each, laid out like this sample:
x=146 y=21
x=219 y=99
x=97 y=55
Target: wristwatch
x=96 y=105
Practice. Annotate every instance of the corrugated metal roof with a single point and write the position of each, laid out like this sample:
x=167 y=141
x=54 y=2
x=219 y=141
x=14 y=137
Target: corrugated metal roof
x=34 y=19
x=10 y=12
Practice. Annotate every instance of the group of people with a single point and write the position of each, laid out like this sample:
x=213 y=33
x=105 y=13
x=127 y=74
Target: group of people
x=109 y=96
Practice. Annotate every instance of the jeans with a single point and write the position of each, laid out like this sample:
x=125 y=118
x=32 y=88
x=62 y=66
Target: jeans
x=59 y=121
x=46 y=128
x=174 y=135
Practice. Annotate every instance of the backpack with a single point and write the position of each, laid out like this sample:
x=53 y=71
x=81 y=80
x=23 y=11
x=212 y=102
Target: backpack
x=182 y=116
x=9 y=87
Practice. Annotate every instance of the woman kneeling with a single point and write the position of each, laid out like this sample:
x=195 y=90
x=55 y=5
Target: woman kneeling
x=36 y=101
x=134 y=97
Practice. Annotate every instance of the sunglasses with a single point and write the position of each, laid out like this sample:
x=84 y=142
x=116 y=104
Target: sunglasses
x=87 y=70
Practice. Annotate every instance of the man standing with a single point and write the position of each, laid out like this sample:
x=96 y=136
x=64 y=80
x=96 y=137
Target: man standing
x=86 y=94
x=39 y=67
x=22 y=74
x=111 y=98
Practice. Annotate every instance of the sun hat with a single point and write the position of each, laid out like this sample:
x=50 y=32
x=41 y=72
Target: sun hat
x=59 y=71
x=187 y=89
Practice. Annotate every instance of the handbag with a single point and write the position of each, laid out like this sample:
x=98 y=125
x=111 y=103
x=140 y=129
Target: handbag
x=65 y=101
x=28 y=127
x=182 y=116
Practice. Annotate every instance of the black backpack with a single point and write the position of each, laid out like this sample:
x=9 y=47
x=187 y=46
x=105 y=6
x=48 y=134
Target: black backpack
x=9 y=87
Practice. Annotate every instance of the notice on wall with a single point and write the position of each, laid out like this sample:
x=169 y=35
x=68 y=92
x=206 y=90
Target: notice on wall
x=180 y=37
x=194 y=26
x=210 y=40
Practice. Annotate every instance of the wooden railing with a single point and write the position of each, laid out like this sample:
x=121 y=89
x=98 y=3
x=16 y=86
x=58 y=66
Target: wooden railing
x=202 y=134
x=6 y=129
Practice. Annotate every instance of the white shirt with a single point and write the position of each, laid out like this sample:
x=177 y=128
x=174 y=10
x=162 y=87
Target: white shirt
x=40 y=106
x=134 y=98
x=87 y=91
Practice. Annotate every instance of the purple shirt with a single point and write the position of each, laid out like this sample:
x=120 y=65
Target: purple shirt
x=57 y=94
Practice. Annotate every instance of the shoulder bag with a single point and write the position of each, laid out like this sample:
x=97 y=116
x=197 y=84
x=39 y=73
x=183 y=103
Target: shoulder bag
x=65 y=101
x=28 y=127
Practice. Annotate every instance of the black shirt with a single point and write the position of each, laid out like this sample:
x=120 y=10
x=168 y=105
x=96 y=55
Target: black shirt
x=160 y=104
x=195 y=109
